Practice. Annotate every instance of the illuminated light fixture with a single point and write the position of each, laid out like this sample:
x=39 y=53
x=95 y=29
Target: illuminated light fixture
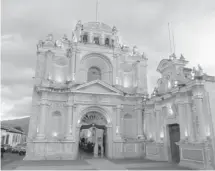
x=117 y=129
x=88 y=133
x=150 y=136
x=79 y=121
x=37 y=129
x=73 y=77
x=175 y=83
x=49 y=77
x=59 y=79
x=54 y=134
x=208 y=132
x=186 y=134
x=162 y=135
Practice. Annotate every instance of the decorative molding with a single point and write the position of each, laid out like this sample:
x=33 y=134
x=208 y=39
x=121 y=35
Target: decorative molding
x=44 y=102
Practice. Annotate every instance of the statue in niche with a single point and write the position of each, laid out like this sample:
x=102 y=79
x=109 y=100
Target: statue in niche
x=114 y=30
x=65 y=38
x=78 y=29
x=200 y=70
x=172 y=57
x=74 y=38
x=135 y=51
x=49 y=37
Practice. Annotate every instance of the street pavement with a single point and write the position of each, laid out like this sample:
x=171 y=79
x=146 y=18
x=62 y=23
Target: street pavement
x=89 y=164
x=10 y=158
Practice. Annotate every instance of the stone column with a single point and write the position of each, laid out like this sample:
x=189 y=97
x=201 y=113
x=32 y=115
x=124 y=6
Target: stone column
x=158 y=125
x=48 y=63
x=73 y=65
x=115 y=72
x=118 y=112
x=90 y=37
x=102 y=39
x=69 y=121
x=139 y=123
x=190 y=122
x=200 y=119
x=43 y=107
x=182 y=121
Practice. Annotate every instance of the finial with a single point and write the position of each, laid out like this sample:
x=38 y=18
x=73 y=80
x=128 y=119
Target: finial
x=182 y=57
x=172 y=57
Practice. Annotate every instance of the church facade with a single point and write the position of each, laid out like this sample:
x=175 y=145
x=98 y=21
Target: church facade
x=94 y=81
x=90 y=79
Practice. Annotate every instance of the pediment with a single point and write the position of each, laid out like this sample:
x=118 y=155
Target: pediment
x=98 y=87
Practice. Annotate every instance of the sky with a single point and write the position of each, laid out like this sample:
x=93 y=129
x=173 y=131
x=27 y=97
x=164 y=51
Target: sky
x=143 y=23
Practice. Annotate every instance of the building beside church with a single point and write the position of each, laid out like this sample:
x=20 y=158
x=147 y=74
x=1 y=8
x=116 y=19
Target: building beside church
x=179 y=117
x=92 y=81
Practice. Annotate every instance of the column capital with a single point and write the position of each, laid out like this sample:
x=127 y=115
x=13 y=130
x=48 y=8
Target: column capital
x=198 y=96
x=67 y=104
x=44 y=102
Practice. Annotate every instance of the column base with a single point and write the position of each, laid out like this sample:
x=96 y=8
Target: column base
x=40 y=136
x=69 y=137
x=140 y=137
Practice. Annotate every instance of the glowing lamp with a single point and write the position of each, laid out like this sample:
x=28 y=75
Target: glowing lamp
x=88 y=133
x=37 y=129
x=208 y=132
x=185 y=133
x=150 y=136
x=162 y=135
x=117 y=129
x=54 y=134
x=73 y=77
x=79 y=121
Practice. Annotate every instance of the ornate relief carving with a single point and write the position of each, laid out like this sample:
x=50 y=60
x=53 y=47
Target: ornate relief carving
x=58 y=104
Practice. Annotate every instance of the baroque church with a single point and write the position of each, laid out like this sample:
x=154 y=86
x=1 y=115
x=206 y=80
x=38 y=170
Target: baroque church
x=90 y=96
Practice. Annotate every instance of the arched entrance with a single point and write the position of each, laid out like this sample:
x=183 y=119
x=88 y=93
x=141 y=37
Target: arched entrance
x=94 y=137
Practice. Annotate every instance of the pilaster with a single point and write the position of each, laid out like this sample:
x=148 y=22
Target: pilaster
x=48 y=64
x=44 y=104
x=199 y=114
x=69 y=130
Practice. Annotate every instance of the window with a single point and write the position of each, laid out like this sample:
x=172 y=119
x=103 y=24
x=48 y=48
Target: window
x=96 y=40
x=94 y=73
x=107 y=42
x=85 y=38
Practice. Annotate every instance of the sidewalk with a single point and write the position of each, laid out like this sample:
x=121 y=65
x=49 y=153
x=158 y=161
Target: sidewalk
x=94 y=164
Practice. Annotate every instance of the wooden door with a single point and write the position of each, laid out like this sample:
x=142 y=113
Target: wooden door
x=174 y=132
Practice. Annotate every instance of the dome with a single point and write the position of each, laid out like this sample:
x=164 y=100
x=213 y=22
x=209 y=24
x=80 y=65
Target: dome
x=97 y=26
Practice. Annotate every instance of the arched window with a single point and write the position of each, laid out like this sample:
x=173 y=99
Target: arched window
x=107 y=42
x=96 y=40
x=94 y=73
x=85 y=38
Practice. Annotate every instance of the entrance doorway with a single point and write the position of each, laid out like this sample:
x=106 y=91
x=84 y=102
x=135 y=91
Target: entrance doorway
x=174 y=136
x=93 y=136
x=92 y=142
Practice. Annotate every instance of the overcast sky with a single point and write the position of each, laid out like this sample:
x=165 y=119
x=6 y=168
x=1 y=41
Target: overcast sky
x=143 y=23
